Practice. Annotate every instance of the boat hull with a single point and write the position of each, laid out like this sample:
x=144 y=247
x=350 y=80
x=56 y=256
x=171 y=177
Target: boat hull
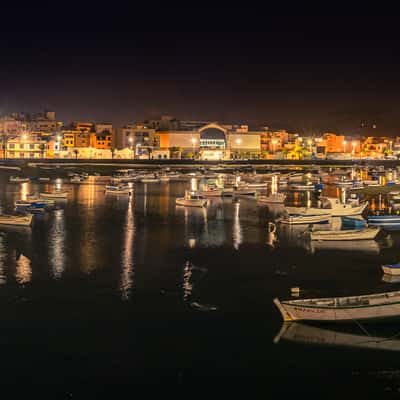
x=334 y=212
x=350 y=234
x=191 y=203
x=369 y=310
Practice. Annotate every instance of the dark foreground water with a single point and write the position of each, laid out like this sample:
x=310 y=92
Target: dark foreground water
x=123 y=290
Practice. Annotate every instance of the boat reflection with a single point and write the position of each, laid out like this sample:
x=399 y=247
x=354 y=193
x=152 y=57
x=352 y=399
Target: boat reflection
x=362 y=246
x=389 y=278
x=23 y=271
x=351 y=337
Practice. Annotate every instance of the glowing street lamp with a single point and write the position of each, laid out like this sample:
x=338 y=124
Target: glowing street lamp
x=194 y=141
x=24 y=136
x=274 y=143
x=353 y=147
x=344 y=146
x=131 y=142
x=309 y=142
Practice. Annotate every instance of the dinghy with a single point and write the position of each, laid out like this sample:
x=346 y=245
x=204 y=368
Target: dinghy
x=335 y=309
x=347 y=234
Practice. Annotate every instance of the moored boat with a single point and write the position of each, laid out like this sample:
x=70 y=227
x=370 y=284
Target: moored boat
x=391 y=269
x=272 y=198
x=331 y=206
x=191 y=199
x=16 y=220
x=120 y=189
x=384 y=220
x=335 y=309
x=305 y=219
x=18 y=179
x=54 y=195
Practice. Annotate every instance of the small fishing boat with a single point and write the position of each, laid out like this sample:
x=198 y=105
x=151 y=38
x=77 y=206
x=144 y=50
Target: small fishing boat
x=305 y=219
x=347 y=234
x=272 y=198
x=54 y=195
x=120 y=189
x=331 y=206
x=191 y=199
x=260 y=185
x=355 y=222
x=335 y=309
x=384 y=220
x=211 y=193
x=44 y=179
x=363 y=246
x=76 y=179
x=391 y=269
x=29 y=203
x=302 y=187
x=16 y=220
x=18 y=179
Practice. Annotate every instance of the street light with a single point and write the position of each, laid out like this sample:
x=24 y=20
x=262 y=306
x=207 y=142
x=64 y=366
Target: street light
x=24 y=137
x=274 y=142
x=353 y=147
x=238 y=141
x=309 y=142
x=344 y=146
x=194 y=140
x=131 y=142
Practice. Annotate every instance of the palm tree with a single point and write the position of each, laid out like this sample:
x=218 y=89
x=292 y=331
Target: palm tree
x=4 y=140
x=76 y=152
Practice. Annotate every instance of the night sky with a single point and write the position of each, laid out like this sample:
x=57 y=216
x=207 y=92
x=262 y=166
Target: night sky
x=306 y=73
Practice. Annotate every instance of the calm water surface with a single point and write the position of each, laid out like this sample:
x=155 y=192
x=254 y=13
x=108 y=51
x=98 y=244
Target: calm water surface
x=128 y=289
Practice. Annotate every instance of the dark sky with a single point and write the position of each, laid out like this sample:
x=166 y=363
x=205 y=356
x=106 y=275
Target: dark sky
x=309 y=73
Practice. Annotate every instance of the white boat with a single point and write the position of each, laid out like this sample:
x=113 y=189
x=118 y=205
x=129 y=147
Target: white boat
x=306 y=333
x=302 y=187
x=18 y=179
x=110 y=189
x=261 y=185
x=211 y=193
x=191 y=199
x=164 y=178
x=54 y=195
x=44 y=179
x=75 y=179
x=272 y=198
x=347 y=234
x=305 y=219
x=391 y=269
x=18 y=220
x=331 y=206
x=335 y=309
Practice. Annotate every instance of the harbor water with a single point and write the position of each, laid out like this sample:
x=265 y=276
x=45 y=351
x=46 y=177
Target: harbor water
x=106 y=289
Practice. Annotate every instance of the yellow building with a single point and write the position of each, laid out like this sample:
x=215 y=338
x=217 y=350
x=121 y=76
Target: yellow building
x=26 y=147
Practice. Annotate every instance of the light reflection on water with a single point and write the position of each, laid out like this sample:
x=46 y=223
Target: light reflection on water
x=57 y=238
x=23 y=272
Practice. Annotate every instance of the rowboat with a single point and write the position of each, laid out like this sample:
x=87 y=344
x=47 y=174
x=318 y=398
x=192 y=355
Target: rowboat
x=335 y=309
x=356 y=222
x=211 y=193
x=191 y=199
x=310 y=334
x=19 y=220
x=261 y=185
x=384 y=220
x=272 y=198
x=331 y=206
x=348 y=234
x=44 y=179
x=305 y=219
x=18 y=179
x=391 y=269
x=54 y=195
x=302 y=187
x=121 y=189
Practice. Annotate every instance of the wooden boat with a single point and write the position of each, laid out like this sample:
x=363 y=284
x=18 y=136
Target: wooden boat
x=335 y=309
x=347 y=234
x=120 y=189
x=261 y=185
x=191 y=199
x=305 y=219
x=277 y=198
x=16 y=220
x=383 y=220
x=211 y=193
x=356 y=222
x=310 y=334
x=302 y=187
x=391 y=269
x=331 y=206
x=44 y=179
x=54 y=195
x=18 y=179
